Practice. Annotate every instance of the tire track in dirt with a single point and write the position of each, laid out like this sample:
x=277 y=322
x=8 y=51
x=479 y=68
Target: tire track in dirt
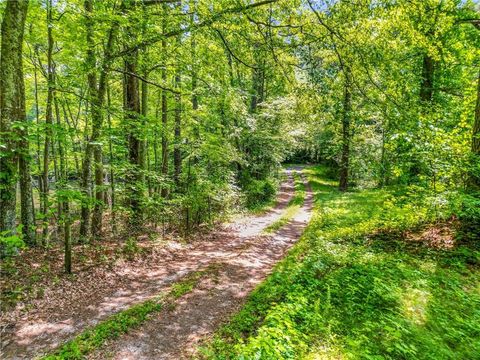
x=175 y=334
x=49 y=324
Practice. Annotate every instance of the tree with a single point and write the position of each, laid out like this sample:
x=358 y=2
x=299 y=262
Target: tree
x=13 y=124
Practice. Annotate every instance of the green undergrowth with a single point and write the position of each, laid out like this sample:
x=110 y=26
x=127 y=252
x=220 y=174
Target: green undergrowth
x=123 y=321
x=262 y=196
x=293 y=205
x=354 y=288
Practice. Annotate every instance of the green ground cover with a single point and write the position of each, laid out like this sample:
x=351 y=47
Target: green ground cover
x=355 y=288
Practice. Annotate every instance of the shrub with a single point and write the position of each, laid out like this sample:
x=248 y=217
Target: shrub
x=259 y=191
x=10 y=244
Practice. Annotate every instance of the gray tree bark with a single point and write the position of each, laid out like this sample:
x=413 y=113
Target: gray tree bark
x=12 y=115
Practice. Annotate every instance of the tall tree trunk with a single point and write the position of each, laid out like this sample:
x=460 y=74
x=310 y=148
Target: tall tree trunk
x=143 y=143
x=38 y=142
x=97 y=93
x=112 y=175
x=90 y=62
x=475 y=177
x=156 y=131
x=48 y=123
x=27 y=215
x=345 y=157
x=194 y=99
x=164 y=191
x=12 y=113
x=132 y=114
x=133 y=120
x=67 y=239
x=428 y=73
x=177 y=155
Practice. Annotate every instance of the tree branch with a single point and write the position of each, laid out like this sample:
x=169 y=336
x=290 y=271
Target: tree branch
x=232 y=53
x=210 y=21
x=145 y=80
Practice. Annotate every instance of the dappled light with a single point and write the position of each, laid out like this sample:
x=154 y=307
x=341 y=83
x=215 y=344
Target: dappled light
x=239 y=179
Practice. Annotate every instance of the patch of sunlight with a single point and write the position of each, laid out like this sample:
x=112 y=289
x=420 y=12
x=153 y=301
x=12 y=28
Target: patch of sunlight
x=370 y=257
x=472 y=288
x=325 y=352
x=428 y=266
x=414 y=303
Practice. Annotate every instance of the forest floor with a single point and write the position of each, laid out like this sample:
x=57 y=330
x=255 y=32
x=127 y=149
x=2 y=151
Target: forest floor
x=231 y=261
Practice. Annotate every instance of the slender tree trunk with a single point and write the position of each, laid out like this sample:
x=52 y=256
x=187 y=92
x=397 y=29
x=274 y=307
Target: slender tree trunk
x=112 y=175
x=62 y=181
x=12 y=111
x=383 y=159
x=155 y=135
x=97 y=93
x=144 y=156
x=177 y=155
x=90 y=62
x=134 y=142
x=38 y=142
x=194 y=99
x=475 y=177
x=48 y=124
x=67 y=239
x=26 y=195
x=61 y=176
x=345 y=157
x=164 y=122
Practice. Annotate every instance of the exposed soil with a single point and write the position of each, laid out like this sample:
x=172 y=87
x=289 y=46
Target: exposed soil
x=245 y=257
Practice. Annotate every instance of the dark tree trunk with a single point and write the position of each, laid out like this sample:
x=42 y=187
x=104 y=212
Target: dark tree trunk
x=428 y=73
x=111 y=158
x=97 y=93
x=177 y=155
x=48 y=123
x=132 y=124
x=164 y=121
x=90 y=62
x=475 y=177
x=12 y=110
x=345 y=157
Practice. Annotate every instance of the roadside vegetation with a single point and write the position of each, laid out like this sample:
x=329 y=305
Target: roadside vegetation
x=378 y=274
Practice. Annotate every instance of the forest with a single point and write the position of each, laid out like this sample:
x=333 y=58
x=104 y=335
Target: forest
x=240 y=179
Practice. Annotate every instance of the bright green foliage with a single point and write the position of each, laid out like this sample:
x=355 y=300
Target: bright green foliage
x=225 y=91
x=10 y=244
x=354 y=287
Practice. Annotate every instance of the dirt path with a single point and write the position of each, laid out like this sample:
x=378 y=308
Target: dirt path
x=175 y=334
x=245 y=257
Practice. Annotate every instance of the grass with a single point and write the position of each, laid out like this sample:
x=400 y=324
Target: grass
x=354 y=288
x=123 y=321
x=293 y=205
